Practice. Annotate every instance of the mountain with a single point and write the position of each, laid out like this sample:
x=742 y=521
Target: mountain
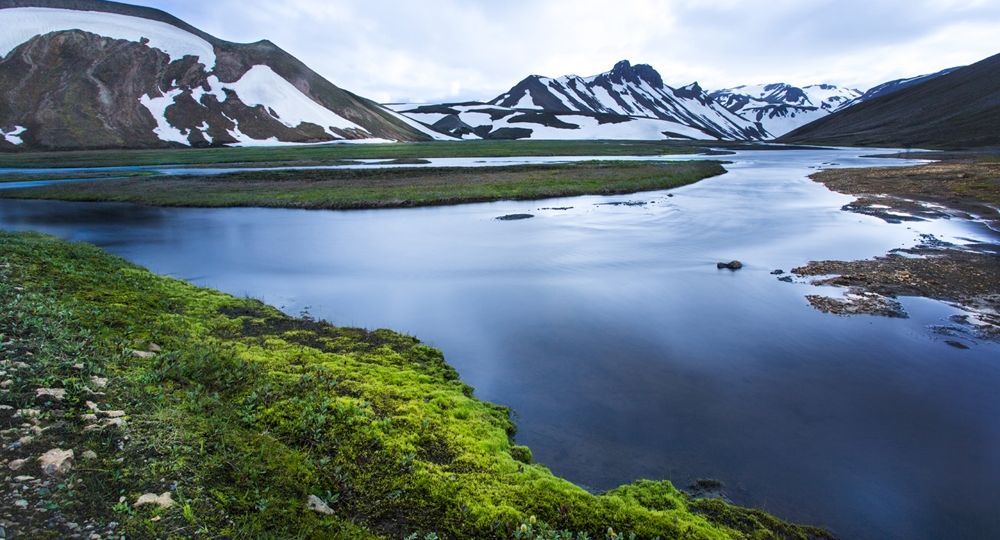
x=628 y=102
x=80 y=74
x=958 y=109
x=780 y=107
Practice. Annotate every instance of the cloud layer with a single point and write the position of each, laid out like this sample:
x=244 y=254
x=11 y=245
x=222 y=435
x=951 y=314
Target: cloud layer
x=442 y=50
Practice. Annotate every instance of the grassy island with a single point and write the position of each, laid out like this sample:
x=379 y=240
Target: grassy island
x=383 y=188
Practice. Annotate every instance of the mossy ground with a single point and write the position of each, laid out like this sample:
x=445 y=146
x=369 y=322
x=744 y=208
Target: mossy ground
x=384 y=188
x=246 y=412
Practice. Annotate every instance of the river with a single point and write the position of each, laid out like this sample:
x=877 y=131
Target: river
x=622 y=349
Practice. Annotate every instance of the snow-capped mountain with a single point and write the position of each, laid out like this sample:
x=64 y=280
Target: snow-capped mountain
x=780 y=107
x=628 y=102
x=95 y=74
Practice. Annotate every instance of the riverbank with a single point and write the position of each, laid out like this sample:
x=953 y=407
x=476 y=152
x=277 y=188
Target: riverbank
x=159 y=408
x=967 y=276
x=384 y=188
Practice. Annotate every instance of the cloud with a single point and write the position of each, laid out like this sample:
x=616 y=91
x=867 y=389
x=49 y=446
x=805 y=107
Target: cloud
x=441 y=50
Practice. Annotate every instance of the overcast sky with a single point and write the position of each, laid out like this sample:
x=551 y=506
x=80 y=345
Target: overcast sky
x=446 y=50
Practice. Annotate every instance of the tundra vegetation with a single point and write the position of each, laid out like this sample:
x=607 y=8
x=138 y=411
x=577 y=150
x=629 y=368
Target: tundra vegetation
x=225 y=417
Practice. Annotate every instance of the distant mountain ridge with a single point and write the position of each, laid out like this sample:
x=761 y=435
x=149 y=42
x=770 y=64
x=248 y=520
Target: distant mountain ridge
x=95 y=74
x=628 y=101
x=953 y=109
x=781 y=107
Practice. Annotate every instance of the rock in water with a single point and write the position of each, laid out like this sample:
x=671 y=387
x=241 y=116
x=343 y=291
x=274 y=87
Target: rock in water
x=515 y=217
x=731 y=265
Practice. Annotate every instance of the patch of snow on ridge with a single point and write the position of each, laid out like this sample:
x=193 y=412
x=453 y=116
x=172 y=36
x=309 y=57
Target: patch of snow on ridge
x=262 y=86
x=416 y=124
x=158 y=108
x=526 y=102
x=21 y=24
x=14 y=137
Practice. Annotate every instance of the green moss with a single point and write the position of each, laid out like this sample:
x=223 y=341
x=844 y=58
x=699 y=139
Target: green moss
x=248 y=412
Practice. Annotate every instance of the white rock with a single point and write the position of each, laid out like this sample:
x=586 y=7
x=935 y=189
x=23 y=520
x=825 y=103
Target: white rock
x=163 y=500
x=28 y=413
x=55 y=393
x=89 y=454
x=56 y=461
x=17 y=464
x=99 y=382
x=317 y=505
x=143 y=354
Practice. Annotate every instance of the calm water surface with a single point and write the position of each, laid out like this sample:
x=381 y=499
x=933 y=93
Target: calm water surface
x=622 y=349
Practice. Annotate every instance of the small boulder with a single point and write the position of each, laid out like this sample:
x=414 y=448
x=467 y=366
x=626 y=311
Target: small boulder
x=154 y=348
x=777 y=272
x=731 y=265
x=143 y=354
x=89 y=455
x=57 y=394
x=317 y=505
x=56 y=461
x=163 y=500
x=17 y=464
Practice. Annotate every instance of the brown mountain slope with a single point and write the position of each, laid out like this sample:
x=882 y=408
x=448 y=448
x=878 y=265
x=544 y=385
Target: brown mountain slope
x=72 y=89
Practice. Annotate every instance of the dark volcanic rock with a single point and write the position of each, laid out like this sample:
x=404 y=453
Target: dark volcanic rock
x=731 y=265
x=515 y=217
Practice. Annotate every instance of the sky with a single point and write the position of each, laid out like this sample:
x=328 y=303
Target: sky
x=452 y=50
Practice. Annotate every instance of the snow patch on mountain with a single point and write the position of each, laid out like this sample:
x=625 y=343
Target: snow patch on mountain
x=262 y=86
x=14 y=136
x=419 y=126
x=158 y=108
x=21 y=24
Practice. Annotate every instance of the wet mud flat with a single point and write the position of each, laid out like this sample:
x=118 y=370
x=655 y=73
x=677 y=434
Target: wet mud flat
x=966 y=276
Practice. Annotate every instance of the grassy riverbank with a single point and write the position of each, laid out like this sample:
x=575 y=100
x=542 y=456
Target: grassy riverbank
x=325 y=154
x=384 y=188
x=241 y=414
